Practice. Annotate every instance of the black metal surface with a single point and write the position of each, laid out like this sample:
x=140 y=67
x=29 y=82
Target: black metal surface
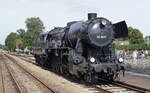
x=120 y=30
x=100 y=32
x=71 y=48
x=92 y=16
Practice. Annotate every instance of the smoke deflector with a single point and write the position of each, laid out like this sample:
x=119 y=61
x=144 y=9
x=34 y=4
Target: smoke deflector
x=120 y=30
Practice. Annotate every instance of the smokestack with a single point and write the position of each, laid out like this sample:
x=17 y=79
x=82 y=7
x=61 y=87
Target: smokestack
x=92 y=15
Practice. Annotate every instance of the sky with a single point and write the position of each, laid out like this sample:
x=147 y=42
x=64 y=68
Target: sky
x=53 y=13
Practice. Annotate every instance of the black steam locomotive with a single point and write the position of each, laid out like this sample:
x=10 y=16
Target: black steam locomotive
x=83 y=49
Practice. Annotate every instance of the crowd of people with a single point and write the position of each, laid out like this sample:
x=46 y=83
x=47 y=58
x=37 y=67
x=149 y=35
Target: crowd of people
x=133 y=55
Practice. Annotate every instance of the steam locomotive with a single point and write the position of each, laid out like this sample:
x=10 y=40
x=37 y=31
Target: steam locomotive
x=84 y=49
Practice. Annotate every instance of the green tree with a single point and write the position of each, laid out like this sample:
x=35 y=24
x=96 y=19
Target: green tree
x=135 y=36
x=147 y=37
x=21 y=32
x=19 y=42
x=5 y=47
x=10 y=41
x=27 y=41
x=1 y=46
x=34 y=28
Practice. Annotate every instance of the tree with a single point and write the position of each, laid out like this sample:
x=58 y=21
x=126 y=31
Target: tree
x=34 y=28
x=147 y=37
x=21 y=32
x=20 y=43
x=27 y=41
x=1 y=46
x=5 y=47
x=23 y=38
x=135 y=36
x=10 y=41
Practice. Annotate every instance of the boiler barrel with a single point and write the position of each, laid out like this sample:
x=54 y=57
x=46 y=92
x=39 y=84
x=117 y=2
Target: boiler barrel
x=76 y=31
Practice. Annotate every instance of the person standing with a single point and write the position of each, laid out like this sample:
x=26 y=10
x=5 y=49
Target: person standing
x=134 y=56
x=143 y=55
x=146 y=54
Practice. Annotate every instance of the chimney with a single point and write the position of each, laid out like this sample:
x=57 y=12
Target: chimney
x=92 y=15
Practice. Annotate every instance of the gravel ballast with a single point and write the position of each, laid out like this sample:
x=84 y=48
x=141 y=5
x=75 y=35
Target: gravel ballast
x=55 y=82
x=9 y=85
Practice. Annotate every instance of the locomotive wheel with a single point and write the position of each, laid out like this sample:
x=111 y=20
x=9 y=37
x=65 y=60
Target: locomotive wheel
x=117 y=77
x=41 y=61
x=87 y=78
x=37 y=60
x=66 y=71
x=61 y=69
x=90 y=78
x=114 y=77
x=57 y=68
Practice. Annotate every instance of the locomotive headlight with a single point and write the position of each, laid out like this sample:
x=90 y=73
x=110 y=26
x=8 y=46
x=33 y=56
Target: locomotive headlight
x=92 y=59
x=120 y=59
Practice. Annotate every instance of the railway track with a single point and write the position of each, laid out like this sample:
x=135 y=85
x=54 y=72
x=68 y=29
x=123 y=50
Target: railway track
x=18 y=88
x=26 y=58
x=110 y=87
x=119 y=87
x=21 y=87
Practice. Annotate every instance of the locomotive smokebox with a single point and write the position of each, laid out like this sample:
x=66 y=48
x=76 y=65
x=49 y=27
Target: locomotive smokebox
x=92 y=15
